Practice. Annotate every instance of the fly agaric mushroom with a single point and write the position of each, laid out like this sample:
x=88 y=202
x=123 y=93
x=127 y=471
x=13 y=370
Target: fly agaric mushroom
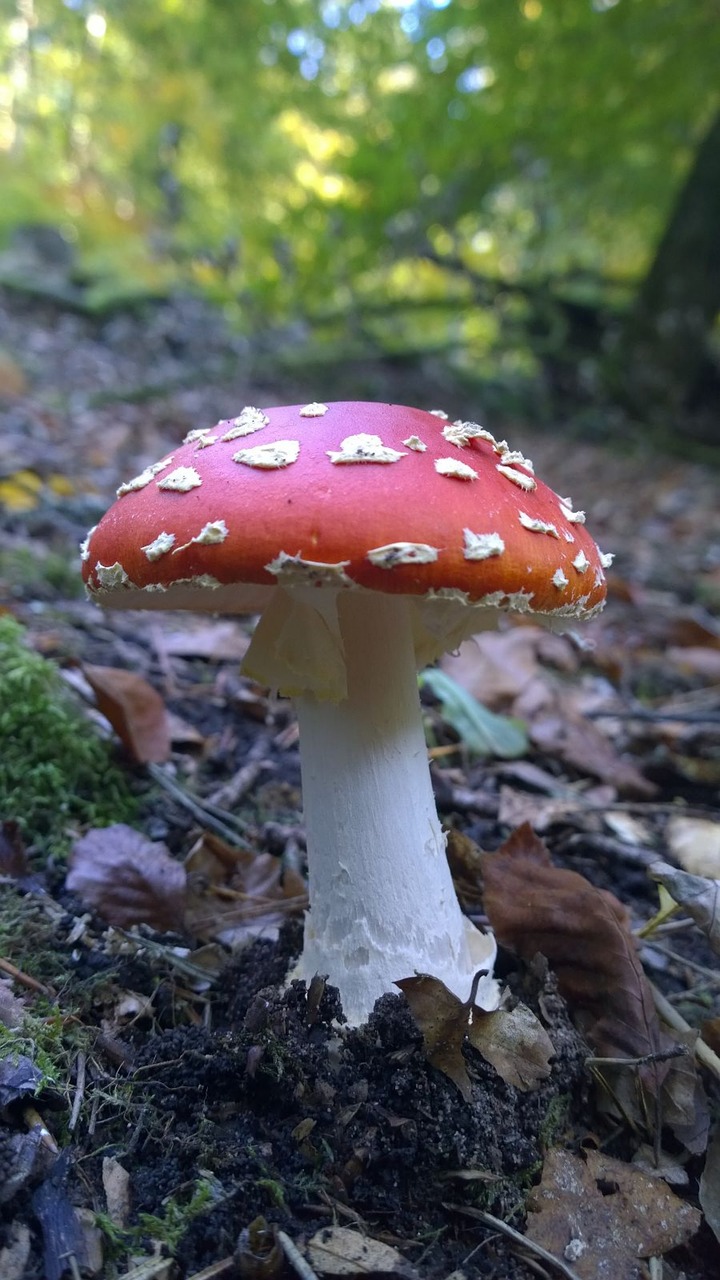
x=371 y=538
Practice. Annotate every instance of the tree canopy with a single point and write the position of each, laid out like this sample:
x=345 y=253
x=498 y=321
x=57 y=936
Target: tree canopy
x=417 y=168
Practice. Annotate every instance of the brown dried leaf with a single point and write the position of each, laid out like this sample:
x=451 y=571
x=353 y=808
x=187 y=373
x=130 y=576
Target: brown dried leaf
x=444 y=1022
x=512 y=1041
x=709 y=1194
x=515 y=1043
x=128 y=879
x=233 y=894
x=584 y=934
x=699 y=897
x=135 y=710
x=495 y=667
x=578 y=743
x=603 y=1216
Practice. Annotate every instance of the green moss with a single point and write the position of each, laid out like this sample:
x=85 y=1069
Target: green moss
x=167 y=1228
x=555 y=1121
x=56 y=772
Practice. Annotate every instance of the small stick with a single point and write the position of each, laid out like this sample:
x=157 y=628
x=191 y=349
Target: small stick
x=299 y=1264
x=217 y=1269
x=79 y=1091
x=498 y=1225
x=702 y=1051
x=25 y=980
x=196 y=808
x=678 y=1052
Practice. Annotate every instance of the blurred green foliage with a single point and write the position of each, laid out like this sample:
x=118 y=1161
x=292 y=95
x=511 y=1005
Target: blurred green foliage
x=360 y=163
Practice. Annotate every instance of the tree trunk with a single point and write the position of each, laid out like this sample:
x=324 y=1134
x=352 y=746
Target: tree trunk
x=662 y=350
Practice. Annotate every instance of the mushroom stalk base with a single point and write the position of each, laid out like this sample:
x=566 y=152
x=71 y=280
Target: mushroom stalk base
x=382 y=902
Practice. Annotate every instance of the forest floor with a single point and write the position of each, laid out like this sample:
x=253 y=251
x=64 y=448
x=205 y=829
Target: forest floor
x=168 y=1107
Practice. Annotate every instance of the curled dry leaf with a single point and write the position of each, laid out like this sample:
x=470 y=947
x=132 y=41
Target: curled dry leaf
x=128 y=879
x=513 y=1041
x=698 y=896
x=135 y=710
x=604 y=1216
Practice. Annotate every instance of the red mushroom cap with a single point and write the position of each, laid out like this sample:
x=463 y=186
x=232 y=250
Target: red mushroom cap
x=347 y=494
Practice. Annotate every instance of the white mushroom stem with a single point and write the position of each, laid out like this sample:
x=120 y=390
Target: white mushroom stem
x=382 y=903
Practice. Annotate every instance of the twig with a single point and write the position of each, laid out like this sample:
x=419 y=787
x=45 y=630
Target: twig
x=25 y=980
x=673 y=717
x=679 y=1051
x=217 y=1269
x=675 y=1020
x=79 y=1090
x=299 y=1264
x=236 y=787
x=711 y=975
x=198 y=810
x=498 y=1225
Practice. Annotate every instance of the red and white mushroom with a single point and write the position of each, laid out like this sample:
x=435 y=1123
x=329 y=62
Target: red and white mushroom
x=371 y=538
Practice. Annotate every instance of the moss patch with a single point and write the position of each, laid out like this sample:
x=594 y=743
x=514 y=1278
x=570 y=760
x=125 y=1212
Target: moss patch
x=56 y=772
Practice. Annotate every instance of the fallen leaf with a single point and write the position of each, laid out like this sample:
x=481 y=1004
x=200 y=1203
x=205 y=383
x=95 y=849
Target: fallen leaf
x=221 y=641
x=579 y=744
x=517 y=807
x=233 y=895
x=695 y=842
x=699 y=896
x=128 y=879
x=515 y=1043
x=584 y=934
x=602 y=1216
x=135 y=710
x=482 y=732
x=116 y=1185
x=709 y=1192
x=340 y=1251
x=496 y=666
x=696 y=660
x=512 y=1040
